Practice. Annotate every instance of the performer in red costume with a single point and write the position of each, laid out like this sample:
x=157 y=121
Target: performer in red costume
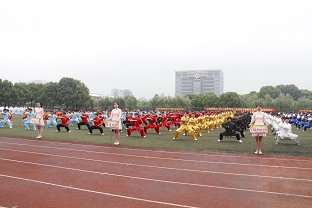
x=137 y=126
x=163 y=121
x=84 y=120
x=98 y=121
x=152 y=119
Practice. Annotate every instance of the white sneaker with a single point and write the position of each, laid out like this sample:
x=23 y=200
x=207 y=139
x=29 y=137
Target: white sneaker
x=219 y=140
x=173 y=138
x=69 y=131
x=159 y=133
x=200 y=135
x=195 y=139
x=260 y=153
x=102 y=134
x=256 y=152
x=239 y=141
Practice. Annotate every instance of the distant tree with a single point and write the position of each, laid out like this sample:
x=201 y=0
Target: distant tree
x=268 y=102
x=198 y=102
x=8 y=95
x=304 y=103
x=144 y=105
x=36 y=92
x=157 y=101
x=51 y=98
x=211 y=100
x=121 y=101
x=291 y=89
x=23 y=94
x=182 y=102
x=106 y=103
x=73 y=93
x=250 y=100
x=230 y=99
x=306 y=93
x=284 y=103
x=131 y=103
x=273 y=92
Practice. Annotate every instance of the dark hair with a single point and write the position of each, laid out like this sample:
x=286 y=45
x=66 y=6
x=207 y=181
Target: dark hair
x=117 y=104
x=40 y=104
x=259 y=106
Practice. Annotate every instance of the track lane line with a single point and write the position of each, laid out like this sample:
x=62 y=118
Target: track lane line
x=162 y=167
x=162 y=151
x=173 y=159
x=95 y=192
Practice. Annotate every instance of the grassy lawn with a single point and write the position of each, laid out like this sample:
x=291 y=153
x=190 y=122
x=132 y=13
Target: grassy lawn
x=208 y=142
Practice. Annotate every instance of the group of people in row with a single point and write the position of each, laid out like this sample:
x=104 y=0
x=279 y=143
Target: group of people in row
x=192 y=123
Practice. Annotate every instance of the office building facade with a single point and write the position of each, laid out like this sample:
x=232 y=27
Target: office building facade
x=199 y=82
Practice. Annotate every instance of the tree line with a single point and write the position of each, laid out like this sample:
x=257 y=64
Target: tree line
x=69 y=93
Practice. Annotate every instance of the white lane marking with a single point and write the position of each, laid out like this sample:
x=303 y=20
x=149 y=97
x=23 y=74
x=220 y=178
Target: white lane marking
x=157 y=167
x=151 y=179
x=162 y=151
x=93 y=191
x=173 y=159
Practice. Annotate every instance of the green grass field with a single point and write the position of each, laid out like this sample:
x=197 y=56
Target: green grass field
x=208 y=142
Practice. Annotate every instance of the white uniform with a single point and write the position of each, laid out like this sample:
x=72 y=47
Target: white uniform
x=285 y=133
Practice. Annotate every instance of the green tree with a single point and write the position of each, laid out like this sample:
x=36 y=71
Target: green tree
x=106 y=103
x=144 y=105
x=182 y=102
x=273 y=92
x=51 y=98
x=22 y=93
x=250 y=100
x=284 y=103
x=304 y=103
x=8 y=95
x=73 y=93
x=131 y=103
x=230 y=99
x=306 y=93
x=211 y=100
x=291 y=89
x=268 y=101
x=157 y=102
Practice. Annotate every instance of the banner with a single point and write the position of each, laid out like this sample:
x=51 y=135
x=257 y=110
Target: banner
x=111 y=123
x=240 y=109
x=34 y=120
x=170 y=109
x=258 y=129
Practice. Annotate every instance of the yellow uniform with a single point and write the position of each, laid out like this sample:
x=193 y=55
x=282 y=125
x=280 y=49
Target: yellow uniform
x=184 y=127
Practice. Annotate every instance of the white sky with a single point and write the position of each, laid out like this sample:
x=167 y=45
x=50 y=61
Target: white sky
x=139 y=44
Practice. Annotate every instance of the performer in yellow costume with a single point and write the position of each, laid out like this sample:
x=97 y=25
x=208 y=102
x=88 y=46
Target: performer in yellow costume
x=184 y=127
x=193 y=124
x=202 y=122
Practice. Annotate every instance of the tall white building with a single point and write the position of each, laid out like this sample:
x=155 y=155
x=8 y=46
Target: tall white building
x=121 y=93
x=199 y=82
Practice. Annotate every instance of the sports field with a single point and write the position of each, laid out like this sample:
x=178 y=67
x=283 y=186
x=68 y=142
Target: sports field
x=80 y=170
x=208 y=142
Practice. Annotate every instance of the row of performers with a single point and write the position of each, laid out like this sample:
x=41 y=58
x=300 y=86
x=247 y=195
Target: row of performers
x=187 y=122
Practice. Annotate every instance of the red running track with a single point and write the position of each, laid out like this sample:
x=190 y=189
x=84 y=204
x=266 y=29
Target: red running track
x=57 y=174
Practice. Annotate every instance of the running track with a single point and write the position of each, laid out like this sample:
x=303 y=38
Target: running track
x=58 y=174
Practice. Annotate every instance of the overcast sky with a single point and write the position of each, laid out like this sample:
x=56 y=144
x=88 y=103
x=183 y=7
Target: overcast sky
x=139 y=44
